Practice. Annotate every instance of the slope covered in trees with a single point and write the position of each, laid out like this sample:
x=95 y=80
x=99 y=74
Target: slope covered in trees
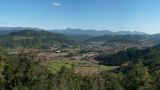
x=34 y=39
x=148 y=55
x=120 y=38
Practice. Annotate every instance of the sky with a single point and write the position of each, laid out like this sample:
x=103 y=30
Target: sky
x=114 y=15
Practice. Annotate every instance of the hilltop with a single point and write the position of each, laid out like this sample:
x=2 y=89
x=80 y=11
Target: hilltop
x=34 y=39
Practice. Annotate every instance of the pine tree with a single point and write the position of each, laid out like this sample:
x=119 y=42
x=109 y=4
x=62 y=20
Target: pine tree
x=138 y=77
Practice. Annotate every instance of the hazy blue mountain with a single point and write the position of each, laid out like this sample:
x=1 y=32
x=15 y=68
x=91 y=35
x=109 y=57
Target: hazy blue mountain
x=7 y=30
x=70 y=31
x=119 y=38
x=130 y=33
x=155 y=38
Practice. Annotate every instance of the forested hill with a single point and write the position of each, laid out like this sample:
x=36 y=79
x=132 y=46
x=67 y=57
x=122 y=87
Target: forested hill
x=120 y=38
x=155 y=38
x=34 y=39
x=147 y=55
x=7 y=30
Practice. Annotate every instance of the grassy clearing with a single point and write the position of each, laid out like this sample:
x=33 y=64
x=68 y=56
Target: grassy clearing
x=55 y=66
x=86 y=68
x=103 y=67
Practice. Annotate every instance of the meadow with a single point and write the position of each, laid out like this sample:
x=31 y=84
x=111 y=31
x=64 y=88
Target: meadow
x=79 y=66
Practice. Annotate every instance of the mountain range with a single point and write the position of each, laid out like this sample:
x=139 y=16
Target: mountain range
x=45 y=39
x=92 y=32
x=70 y=31
x=7 y=30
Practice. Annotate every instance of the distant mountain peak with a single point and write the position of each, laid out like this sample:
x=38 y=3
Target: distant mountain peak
x=93 y=32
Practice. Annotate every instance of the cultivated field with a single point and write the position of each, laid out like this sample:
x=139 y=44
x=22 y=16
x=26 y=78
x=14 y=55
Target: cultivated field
x=79 y=66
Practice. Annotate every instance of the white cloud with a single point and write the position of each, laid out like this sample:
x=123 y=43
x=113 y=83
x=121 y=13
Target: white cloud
x=56 y=4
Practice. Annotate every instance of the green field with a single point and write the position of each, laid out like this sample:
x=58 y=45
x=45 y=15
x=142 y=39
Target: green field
x=55 y=66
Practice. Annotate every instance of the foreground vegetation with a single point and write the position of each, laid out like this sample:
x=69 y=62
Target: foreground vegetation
x=24 y=72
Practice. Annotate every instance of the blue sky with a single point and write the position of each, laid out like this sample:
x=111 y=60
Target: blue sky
x=114 y=15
